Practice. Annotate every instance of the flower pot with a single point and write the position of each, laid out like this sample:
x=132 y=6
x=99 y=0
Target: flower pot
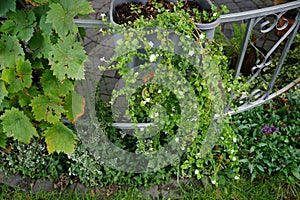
x=208 y=28
x=284 y=22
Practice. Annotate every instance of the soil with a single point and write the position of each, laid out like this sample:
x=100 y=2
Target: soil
x=124 y=13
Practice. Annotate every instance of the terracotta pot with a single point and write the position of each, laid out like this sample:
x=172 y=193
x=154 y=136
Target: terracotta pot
x=282 y=22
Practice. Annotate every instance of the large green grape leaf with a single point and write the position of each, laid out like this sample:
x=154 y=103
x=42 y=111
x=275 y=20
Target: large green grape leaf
x=3 y=91
x=61 y=19
x=60 y=138
x=10 y=51
x=40 y=45
x=25 y=96
x=67 y=59
x=74 y=105
x=53 y=87
x=47 y=109
x=75 y=7
x=18 y=77
x=16 y=124
x=20 y=24
x=6 y=5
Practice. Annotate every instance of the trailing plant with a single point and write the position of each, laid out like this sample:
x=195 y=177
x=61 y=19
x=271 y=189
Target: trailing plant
x=39 y=61
x=156 y=88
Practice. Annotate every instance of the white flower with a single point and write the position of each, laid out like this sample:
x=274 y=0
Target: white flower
x=180 y=92
x=232 y=151
x=151 y=44
x=213 y=182
x=215 y=14
x=177 y=139
x=236 y=178
x=152 y=58
x=191 y=53
x=202 y=36
x=100 y=30
x=159 y=91
x=102 y=59
x=156 y=115
x=222 y=138
x=234 y=140
x=234 y=158
x=103 y=15
x=147 y=100
x=196 y=171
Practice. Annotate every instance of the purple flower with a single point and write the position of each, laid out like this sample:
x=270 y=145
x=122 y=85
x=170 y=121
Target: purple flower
x=267 y=129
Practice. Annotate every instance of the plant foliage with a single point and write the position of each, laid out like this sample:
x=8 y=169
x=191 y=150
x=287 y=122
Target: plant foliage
x=39 y=61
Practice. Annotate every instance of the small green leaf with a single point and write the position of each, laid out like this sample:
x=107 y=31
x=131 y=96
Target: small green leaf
x=20 y=24
x=67 y=59
x=75 y=106
x=250 y=167
x=15 y=123
x=75 y=7
x=18 y=77
x=296 y=174
x=260 y=168
x=7 y=5
x=60 y=138
x=61 y=20
x=3 y=91
x=10 y=51
x=47 y=109
x=53 y=87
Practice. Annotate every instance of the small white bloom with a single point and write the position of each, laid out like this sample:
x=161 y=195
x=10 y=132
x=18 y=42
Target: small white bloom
x=182 y=148
x=102 y=59
x=180 y=92
x=177 y=140
x=156 y=115
x=147 y=100
x=202 y=36
x=159 y=91
x=103 y=15
x=152 y=58
x=215 y=14
x=234 y=140
x=151 y=44
x=196 y=171
x=232 y=151
x=234 y=158
x=100 y=30
x=167 y=10
x=213 y=182
x=191 y=53
x=236 y=178
x=136 y=73
x=222 y=138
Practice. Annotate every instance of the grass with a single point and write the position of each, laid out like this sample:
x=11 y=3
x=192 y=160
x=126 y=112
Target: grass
x=269 y=188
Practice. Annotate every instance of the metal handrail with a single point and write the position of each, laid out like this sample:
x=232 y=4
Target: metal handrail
x=232 y=17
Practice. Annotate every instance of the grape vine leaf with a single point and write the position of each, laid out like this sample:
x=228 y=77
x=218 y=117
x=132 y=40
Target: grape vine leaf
x=40 y=44
x=47 y=108
x=10 y=51
x=16 y=124
x=75 y=7
x=3 y=91
x=61 y=20
x=5 y=6
x=18 y=77
x=60 y=138
x=67 y=58
x=20 y=24
x=2 y=139
x=52 y=86
x=74 y=104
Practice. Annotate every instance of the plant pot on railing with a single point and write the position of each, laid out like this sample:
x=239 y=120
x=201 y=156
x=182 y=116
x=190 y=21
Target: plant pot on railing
x=208 y=28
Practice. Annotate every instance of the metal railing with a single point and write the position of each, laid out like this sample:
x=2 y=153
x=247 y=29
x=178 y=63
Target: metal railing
x=263 y=21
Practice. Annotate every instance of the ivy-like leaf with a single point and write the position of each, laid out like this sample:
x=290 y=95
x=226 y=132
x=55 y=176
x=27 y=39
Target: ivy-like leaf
x=53 y=87
x=20 y=23
x=47 y=109
x=61 y=19
x=3 y=91
x=5 y=6
x=60 y=138
x=67 y=59
x=74 y=105
x=16 y=124
x=18 y=77
x=10 y=51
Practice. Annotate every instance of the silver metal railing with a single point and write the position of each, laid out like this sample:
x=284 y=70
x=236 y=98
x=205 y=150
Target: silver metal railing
x=263 y=21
